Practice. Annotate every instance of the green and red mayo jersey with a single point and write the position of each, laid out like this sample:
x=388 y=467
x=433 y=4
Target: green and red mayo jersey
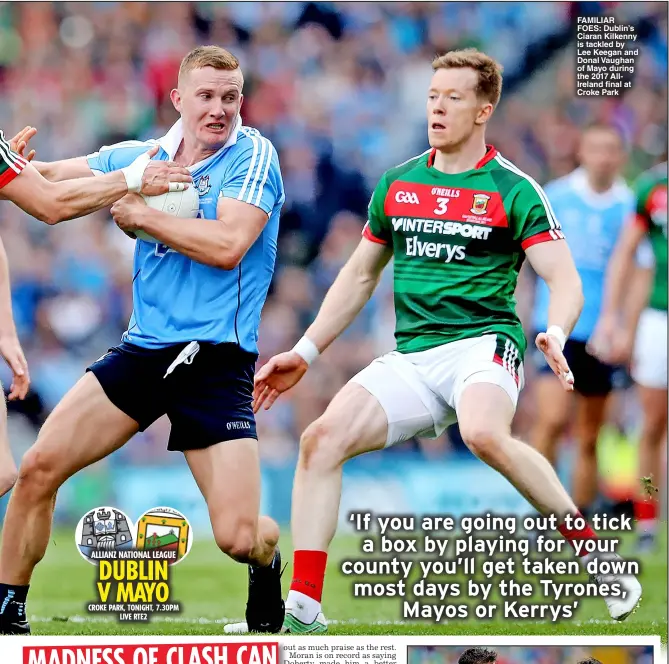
x=651 y=213
x=458 y=244
x=11 y=164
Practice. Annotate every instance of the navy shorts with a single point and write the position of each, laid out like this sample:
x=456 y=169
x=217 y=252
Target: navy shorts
x=208 y=398
x=592 y=378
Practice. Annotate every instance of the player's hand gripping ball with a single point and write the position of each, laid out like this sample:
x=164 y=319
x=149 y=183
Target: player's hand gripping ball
x=183 y=204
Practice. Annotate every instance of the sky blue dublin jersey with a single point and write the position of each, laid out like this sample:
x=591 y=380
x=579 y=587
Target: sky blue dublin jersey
x=176 y=299
x=592 y=222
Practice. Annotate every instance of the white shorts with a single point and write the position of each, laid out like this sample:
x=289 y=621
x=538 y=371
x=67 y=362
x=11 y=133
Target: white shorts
x=420 y=392
x=649 y=364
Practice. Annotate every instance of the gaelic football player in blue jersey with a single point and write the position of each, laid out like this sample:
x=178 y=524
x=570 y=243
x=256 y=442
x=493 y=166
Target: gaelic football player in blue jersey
x=191 y=345
x=593 y=203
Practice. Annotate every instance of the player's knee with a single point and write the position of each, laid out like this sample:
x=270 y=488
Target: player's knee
x=321 y=446
x=484 y=441
x=38 y=476
x=236 y=538
x=268 y=530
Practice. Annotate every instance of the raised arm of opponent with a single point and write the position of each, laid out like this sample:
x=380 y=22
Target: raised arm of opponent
x=53 y=202
x=349 y=293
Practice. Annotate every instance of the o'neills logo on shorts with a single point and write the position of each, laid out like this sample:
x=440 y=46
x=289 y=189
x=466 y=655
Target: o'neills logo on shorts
x=238 y=425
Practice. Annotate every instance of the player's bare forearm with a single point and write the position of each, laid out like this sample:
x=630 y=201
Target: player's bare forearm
x=566 y=302
x=77 y=198
x=7 y=326
x=349 y=293
x=202 y=240
x=552 y=261
x=221 y=242
x=53 y=202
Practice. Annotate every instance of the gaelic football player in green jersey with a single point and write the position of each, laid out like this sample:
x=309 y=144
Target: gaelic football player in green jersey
x=640 y=333
x=458 y=221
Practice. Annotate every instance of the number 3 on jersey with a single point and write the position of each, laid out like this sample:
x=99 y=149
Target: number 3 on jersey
x=442 y=204
x=162 y=249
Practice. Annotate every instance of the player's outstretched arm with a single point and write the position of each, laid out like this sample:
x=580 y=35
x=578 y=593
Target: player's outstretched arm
x=349 y=293
x=552 y=261
x=53 y=202
x=10 y=348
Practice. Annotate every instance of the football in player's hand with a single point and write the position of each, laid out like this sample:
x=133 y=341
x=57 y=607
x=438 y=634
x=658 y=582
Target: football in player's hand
x=184 y=204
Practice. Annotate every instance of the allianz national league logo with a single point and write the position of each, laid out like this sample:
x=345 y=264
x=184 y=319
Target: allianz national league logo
x=134 y=563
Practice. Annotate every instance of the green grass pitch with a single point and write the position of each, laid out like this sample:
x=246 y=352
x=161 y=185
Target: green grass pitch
x=212 y=591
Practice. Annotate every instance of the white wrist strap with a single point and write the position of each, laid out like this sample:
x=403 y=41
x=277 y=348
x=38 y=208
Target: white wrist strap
x=133 y=173
x=306 y=349
x=557 y=332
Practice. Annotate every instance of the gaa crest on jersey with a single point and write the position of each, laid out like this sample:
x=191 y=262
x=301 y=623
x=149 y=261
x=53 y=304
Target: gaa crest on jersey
x=203 y=186
x=480 y=204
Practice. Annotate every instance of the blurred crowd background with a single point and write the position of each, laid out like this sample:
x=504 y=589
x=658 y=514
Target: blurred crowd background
x=340 y=89
x=538 y=654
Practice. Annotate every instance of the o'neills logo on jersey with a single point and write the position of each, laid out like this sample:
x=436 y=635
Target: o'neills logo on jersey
x=407 y=197
x=441 y=191
x=480 y=204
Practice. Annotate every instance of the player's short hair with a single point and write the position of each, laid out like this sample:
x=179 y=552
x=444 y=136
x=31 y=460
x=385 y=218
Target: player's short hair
x=478 y=656
x=208 y=56
x=589 y=660
x=488 y=69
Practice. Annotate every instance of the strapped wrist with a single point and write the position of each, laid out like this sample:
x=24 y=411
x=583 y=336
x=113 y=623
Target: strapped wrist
x=306 y=349
x=134 y=172
x=557 y=332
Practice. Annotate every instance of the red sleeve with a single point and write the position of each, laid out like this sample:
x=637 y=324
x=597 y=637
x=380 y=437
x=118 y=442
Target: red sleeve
x=367 y=233
x=544 y=236
x=10 y=173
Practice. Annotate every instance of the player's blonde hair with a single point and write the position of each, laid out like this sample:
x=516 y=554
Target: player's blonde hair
x=488 y=69
x=208 y=56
